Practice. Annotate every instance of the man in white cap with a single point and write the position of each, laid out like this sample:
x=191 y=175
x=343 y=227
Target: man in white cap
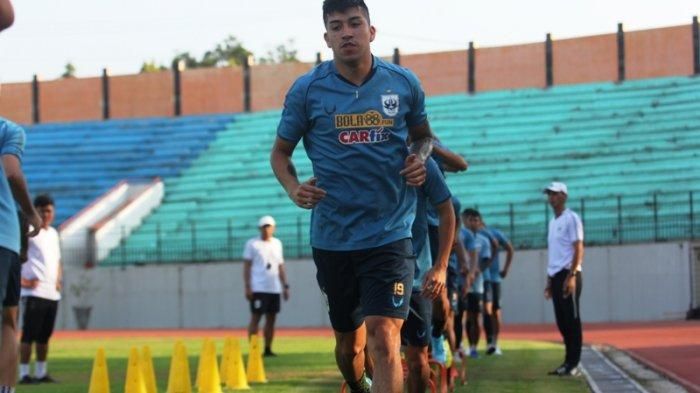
x=265 y=279
x=565 y=253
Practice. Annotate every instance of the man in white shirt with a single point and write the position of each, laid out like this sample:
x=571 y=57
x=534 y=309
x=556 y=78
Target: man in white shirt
x=565 y=254
x=265 y=279
x=41 y=286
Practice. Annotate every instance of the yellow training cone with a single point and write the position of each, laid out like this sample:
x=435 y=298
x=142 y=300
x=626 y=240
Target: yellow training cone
x=210 y=381
x=179 y=379
x=200 y=364
x=99 y=380
x=256 y=369
x=149 y=374
x=134 y=378
x=235 y=376
x=225 y=356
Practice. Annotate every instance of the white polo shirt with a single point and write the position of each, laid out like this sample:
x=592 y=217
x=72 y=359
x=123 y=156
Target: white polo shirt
x=43 y=263
x=266 y=258
x=563 y=232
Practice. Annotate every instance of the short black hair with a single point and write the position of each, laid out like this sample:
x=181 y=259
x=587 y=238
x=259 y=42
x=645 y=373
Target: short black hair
x=331 y=6
x=43 y=200
x=468 y=212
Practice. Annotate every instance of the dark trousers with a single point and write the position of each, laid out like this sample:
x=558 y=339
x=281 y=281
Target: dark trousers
x=567 y=313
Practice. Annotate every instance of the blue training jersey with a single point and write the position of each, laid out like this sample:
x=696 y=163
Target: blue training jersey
x=355 y=137
x=432 y=193
x=12 y=140
x=481 y=244
x=495 y=269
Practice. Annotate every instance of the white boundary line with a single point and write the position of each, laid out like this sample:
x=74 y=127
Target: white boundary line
x=591 y=382
x=624 y=374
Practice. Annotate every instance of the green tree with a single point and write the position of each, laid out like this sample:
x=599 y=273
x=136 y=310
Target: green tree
x=283 y=53
x=151 y=66
x=68 y=71
x=227 y=53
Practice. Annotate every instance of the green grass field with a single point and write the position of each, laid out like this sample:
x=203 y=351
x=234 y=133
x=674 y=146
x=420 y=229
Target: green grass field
x=304 y=365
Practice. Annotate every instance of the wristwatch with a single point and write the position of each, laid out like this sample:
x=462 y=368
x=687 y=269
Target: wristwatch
x=286 y=286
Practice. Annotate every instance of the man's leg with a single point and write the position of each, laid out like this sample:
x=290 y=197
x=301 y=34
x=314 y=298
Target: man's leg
x=418 y=369
x=473 y=329
x=384 y=342
x=487 y=315
x=350 y=356
x=9 y=348
x=50 y=309
x=560 y=311
x=496 y=314
x=253 y=324
x=269 y=331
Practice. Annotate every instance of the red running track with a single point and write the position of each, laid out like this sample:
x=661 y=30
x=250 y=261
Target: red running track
x=671 y=348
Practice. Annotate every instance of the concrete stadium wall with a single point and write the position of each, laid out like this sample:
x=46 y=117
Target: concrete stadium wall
x=648 y=53
x=626 y=283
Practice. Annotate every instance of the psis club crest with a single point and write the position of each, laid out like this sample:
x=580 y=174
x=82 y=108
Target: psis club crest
x=390 y=104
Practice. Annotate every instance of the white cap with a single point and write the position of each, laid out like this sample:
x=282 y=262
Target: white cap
x=266 y=220
x=556 y=186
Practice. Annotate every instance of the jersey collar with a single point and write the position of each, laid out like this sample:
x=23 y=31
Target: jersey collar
x=372 y=71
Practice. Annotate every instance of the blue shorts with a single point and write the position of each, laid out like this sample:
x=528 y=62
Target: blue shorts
x=416 y=331
x=10 y=272
x=372 y=282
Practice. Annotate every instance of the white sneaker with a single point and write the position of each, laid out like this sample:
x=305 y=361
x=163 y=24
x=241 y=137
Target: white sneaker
x=498 y=351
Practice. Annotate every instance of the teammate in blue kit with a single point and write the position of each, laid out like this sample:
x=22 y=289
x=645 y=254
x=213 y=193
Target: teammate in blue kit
x=13 y=188
x=493 y=287
x=416 y=330
x=354 y=114
x=479 y=246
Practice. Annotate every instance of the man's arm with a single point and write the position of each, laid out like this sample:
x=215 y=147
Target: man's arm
x=435 y=278
x=570 y=281
x=509 y=259
x=59 y=280
x=7 y=14
x=305 y=195
x=246 y=278
x=421 y=138
x=285 y=283
x=18 y=185
x=451 y=161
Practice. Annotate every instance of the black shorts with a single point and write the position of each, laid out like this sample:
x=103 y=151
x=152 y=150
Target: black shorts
x=10 y=272
x=38 y=319
x=474 y=302
x=492 y=292
x=416 y=331
x=265 y=303
x=376 y=281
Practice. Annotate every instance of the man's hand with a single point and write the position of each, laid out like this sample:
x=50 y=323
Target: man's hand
x=434 y=282
x=414 y=171
x=248 y=294
x=59 y=286
x=504 y=273
x=307 y=195
x=569 y=286
x=548 y=293
x=285 y=294
x=29 y=284
x=35 y=223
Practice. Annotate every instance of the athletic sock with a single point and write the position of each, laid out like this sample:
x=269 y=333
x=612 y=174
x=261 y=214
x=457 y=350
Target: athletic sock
x=23 y=370
x=362 y=385
x=7 y=389
x=40 y=369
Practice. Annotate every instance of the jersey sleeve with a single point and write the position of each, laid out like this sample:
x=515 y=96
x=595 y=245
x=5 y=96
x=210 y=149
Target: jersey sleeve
x=468 y=240
x=501 y=237
x=575 y=228
x=248 y=251
x=294 y=121
x=435 y=186
x=417 y=115
x=13 y=139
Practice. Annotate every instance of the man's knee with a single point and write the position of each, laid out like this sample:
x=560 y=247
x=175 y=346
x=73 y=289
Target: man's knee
x=384 y=335
x=9 y=318
x=349 y=345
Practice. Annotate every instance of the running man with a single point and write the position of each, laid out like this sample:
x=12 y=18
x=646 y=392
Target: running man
x=355 y=114
x=416 y=330
x=493 y=286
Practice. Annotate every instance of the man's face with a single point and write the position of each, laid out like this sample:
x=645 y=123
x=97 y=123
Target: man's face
x=556 y=199
x=47 y=213
x=348 y=34
x=473 y=223
x=267 y=231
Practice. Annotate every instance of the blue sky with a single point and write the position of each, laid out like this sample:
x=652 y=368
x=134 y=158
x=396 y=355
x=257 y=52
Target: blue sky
x=121 y=34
